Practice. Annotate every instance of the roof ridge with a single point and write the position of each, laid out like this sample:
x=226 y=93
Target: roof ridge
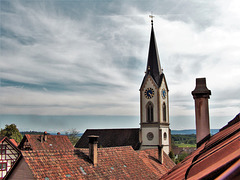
x=208 y=155
x=217 y=149
x=220 y=140
x=48 y=150
x=117 y=147
x=235 y=120
x=113 y=129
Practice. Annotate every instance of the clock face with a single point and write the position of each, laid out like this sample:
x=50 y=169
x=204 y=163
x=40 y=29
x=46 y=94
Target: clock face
x=164 y=93
x=150 y=136
x=149 y=93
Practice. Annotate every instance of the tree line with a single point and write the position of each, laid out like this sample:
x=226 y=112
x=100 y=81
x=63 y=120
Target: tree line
x=184 y=138
x=11 y=131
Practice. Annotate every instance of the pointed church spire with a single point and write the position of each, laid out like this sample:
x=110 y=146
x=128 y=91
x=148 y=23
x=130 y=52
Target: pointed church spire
x=153 y=64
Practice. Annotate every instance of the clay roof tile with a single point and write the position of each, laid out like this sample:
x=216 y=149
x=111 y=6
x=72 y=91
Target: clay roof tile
x=212 y=158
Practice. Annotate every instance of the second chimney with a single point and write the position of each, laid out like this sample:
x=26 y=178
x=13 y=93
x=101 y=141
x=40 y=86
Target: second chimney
x=93 y=148
x=201 y=94
x=45 y=136
x=160 y=153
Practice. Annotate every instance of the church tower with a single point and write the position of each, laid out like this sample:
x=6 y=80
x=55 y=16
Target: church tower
x=154 y=102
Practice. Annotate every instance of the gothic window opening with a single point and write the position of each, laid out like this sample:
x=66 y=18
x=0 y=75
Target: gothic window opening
x=150 y=112
x=164 y=112
x=165 y=136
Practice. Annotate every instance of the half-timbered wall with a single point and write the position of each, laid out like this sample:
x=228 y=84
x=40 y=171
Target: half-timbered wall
x=8 y=155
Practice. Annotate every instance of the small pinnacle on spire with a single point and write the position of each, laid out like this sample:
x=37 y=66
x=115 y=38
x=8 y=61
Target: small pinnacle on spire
x=151 y=16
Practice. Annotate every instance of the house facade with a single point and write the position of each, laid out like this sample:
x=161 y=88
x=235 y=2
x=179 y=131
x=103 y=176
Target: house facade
x=9 y=153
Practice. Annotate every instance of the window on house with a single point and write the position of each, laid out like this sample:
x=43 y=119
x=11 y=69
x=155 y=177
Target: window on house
x=3 y=166
x=164 y=112
x=2 y=149
x=150 y=112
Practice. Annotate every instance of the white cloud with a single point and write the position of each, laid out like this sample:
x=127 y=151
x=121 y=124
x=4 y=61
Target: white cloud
x=91 y=60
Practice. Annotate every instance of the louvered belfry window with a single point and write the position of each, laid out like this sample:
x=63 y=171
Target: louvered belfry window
x=164 y=112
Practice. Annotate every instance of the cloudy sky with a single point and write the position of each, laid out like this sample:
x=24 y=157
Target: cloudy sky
x=80 y=63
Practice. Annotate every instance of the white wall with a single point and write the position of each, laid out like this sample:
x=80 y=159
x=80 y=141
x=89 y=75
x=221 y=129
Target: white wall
x=155 y=140
x=164 y=86
x=149 y=84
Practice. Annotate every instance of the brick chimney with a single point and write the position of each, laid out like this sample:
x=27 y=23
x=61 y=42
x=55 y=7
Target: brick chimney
x=201 y=94
x=160 y=153
x=93 y=148
x=45 y=136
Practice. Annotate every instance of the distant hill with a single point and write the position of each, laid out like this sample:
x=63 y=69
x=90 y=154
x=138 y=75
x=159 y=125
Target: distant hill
x=184 y=132
x=40 y=133
x=31 y=132
x=192 y=131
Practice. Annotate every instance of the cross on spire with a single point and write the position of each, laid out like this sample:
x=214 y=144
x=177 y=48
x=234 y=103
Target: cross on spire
x=151 y=16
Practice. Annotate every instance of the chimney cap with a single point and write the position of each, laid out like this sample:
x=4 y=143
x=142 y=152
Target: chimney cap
x=201 y=89
x=93 y=138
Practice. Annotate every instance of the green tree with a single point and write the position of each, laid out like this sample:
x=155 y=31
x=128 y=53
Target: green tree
x=172 y=156
x=12 y=132
x=180 y=157
x=72 y=135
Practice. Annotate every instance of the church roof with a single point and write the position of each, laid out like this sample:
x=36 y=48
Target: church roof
x=216 y=158
x=158 y=84
x=111 y=138
x=153 y=63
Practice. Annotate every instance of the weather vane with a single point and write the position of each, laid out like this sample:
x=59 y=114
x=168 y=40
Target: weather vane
x=151 y=16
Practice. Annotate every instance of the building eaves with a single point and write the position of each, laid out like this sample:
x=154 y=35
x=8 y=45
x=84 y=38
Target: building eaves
x=212 y=158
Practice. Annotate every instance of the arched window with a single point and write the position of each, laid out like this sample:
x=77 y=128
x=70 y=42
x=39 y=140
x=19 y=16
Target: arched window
x=165 y=136
x=164 y=112
x=149 y=112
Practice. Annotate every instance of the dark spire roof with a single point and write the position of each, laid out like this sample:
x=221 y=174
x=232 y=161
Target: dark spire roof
x=153 y=64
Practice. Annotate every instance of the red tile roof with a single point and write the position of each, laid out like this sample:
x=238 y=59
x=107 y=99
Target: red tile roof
x=150 y=158
x=113 y=163
x=53 y=142
x=14 y=142
x=2 y=138
x=213 y=158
